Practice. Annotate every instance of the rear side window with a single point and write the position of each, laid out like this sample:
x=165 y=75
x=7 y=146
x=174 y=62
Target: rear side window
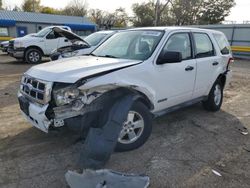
x=223 y=43
x=204 y=46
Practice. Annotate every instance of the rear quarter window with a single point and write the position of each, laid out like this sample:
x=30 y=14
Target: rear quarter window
x=222 y=43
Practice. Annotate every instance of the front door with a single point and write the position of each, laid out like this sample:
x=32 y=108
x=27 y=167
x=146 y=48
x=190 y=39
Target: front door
x=176 y=80
x=64 y=42
x=51 y=42
x=54 y=41
x=21 y=31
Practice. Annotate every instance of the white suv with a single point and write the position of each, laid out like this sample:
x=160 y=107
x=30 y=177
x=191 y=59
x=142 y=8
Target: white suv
x=165 y=67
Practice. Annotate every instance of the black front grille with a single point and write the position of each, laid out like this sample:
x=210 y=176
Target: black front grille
x=11 y=45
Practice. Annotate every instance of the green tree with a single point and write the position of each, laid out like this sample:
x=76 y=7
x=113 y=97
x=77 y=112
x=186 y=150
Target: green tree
x=144 y=14
x=1 y=4
x=75 y=8
x=106 y=20
x=31 y=5
x=161 y=12
x=120 y=17
x=151 y=13
x=97 y=16
x=215 y=11
x=49 y=10
x=16 y=8
x=181 y=12
x=186 y=12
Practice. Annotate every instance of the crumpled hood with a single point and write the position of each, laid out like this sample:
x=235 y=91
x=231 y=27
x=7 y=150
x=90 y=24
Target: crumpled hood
x=70 y=70
x=67 y=34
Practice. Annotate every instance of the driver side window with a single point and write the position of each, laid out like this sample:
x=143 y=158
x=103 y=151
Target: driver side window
x=179 y=42
x=51 y=35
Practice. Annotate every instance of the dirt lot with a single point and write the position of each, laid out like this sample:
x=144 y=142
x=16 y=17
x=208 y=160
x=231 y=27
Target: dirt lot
x=184 y=147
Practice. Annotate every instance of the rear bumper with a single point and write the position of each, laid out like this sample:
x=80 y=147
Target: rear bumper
x=229 y=75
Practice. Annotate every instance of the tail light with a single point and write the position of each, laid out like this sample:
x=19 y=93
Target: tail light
x=230 y=61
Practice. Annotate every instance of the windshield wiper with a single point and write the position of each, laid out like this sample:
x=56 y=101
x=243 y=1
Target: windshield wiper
x=93 y=55
x=111 y=56
x=86 y=43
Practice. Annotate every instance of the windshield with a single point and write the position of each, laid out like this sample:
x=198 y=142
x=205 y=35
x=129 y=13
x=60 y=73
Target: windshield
x=138 y=45
x=43 y=32
x=95 y=38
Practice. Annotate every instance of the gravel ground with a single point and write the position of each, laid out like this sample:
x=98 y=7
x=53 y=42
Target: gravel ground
x=184 y=148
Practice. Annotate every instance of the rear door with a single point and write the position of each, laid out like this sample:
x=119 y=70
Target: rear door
x=207 y=62
x=176 y=80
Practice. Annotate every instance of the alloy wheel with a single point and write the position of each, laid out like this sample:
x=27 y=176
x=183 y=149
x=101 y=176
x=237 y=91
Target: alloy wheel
x=132 y=128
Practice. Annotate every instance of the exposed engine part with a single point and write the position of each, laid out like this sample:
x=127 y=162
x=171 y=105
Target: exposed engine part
x=86 y=103
x=72 y=110
x=58 y=123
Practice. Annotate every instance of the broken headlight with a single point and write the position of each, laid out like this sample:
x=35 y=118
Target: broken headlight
x=66 y=95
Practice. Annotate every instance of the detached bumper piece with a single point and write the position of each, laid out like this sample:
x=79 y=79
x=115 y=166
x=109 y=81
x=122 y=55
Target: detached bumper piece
x=100 y=142
x=105 y=178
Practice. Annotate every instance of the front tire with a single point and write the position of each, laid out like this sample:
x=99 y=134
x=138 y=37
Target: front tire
x=137 y=128
x=33 y=56
x=215 y=97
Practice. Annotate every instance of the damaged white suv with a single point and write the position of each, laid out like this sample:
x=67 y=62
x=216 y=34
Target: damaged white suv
x=165 y=67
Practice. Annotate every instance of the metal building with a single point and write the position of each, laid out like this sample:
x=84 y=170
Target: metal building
x=17 y=24
x=238 y=36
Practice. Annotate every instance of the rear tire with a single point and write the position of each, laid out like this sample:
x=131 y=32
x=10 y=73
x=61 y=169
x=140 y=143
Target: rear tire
x=33 y=56
x=215 y=97
x=137 y=128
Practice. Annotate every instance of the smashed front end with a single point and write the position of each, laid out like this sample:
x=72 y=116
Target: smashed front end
x=48 y=105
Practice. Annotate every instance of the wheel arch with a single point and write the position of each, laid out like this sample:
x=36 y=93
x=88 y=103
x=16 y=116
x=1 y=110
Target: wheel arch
x=34 y=47
x=140 y=96
x=222 y=78
x=144 y=99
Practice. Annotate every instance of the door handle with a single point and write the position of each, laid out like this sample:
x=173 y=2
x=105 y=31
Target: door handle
x=66 y=40
x=215 y=63
x=189 y=68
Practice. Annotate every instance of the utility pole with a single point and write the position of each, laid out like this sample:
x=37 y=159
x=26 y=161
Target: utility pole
x=1 y=4
x=33 y=5
x=156 y=12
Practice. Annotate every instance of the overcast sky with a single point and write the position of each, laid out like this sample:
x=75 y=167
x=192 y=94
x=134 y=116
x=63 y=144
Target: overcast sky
x=240 y=13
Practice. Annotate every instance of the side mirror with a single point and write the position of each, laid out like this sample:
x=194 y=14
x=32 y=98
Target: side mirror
x=169 y=57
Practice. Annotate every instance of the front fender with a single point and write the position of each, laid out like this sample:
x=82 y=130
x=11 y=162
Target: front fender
x=113 y=81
